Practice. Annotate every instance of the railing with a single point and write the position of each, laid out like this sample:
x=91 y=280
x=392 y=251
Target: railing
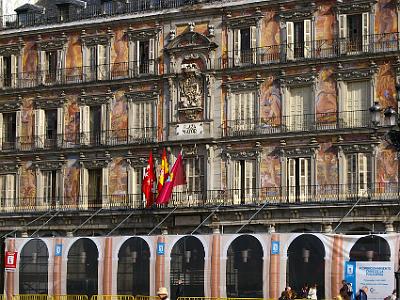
x=297 y=123
x=296 y=195
x=113 y=71
x=87 y=139
x=313 y=50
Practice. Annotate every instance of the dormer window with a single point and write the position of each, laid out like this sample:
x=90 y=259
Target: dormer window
x=107 y=6
x=63 y=11
x=26 y=14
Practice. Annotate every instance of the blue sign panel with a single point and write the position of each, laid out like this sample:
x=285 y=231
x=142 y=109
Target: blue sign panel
x=160 y=248
x=58 y=250
x=275 y=247
x=350 y=274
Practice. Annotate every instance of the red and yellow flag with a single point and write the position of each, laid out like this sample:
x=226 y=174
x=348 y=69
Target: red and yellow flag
x=163 y=172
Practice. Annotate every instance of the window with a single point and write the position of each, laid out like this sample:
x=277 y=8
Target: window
x=299 y=178
x=358 y=172
x=95 y=188
x=144 y=57
x=299 y=108
x=97 y=59
x=143 y=120
x=22 y=18
x=354 y=32
x=51 y=127
x=64 y=12
x=51 y=65
x=356 y=104
x=194 y=174
x=298 y=39
x=244 y=45
x=95 y=125
x=7 y=189
x=244 y=181
x=107 y=6
x=50 y=187
x=242 y=111
x=9 y=130
x=7 y=71
x=138 y=198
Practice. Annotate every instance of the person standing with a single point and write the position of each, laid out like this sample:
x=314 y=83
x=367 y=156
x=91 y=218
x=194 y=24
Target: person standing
x=179 y=290
x=362 y=294
x=312 y=292
x=162 y=293
x=346 y=290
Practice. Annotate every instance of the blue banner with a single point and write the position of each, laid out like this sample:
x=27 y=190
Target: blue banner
x=350 y=275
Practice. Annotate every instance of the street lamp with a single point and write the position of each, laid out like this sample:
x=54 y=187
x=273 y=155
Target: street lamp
x=390 y=121
x=375 y=111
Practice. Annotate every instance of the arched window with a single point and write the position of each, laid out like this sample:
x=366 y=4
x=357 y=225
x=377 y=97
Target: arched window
x=33 y=268
x=244 y=268
x=187 y=266
x=134 y=268
x=370 y=248
x=306 y=264
x=82 y=268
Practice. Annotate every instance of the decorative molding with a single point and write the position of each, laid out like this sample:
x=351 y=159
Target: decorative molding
x=49 y=164
x=348 y=147
x=9 y=168
x=134 y=96
x=11 y=106
x=243 y=85
x=298 y=12
x=355 y=6
x=56 y=43
x=49 y=103
x=299 y=150
x=142 y=34
x=12 y=49
x=243 y=21
x=243 y=154
x=136 y=161
x=300 y=79
x=94 y=162
x=354 y=74
x=96 y=39
x=189 y=41
x=93 y=100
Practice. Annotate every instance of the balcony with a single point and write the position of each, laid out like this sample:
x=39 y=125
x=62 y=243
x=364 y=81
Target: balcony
x=298 y=123
x=78 y=75
x=35 y=19
x=313 y=50
x=234 y=198
x=107 y=138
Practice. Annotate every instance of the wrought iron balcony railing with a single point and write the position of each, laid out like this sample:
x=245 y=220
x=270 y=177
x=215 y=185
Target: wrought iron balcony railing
x=84 y=139
x=305 y=195
x=298 y=123
x=313 y=50
x=113 y=71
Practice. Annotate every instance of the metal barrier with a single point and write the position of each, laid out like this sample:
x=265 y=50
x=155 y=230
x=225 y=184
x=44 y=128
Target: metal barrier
x=32 y=297
x=112 y=297
x=141 y=297
x=219 y=298
x=70 y=297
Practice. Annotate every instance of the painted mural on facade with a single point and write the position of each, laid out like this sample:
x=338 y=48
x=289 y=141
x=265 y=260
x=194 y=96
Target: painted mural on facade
x=71 y=182
x=326 y=102
x=27 y=122
x=118 y=180
x=27 y=195
x=386 y=86
x=119 y=54
x=270 y=32
x=386 y=18
x=270 y=102
x=324 y=29
x=29 y=60
x=327 y=167
x=74 y=59
x=119 y=116
x=387 y=166
x=270 y=170
x=71 y=126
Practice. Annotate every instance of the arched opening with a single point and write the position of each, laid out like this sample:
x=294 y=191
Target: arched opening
x=370 y=248
x=306 y=264
x=33 y=268
x=134 y=268
x=244 y=268
x=187 y=266
x=82 y=268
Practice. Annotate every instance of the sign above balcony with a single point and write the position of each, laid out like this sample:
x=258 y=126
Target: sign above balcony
x=189 y=129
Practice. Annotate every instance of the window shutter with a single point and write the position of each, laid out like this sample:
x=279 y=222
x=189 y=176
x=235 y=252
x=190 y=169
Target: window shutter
x=307 y=38
x=237 y=180
x=343 y=33
x=135 y=191
x=253 y=41
x=292 y=179
x=14 y=70
x=101 y=62
x=236 y=46
x=1 y=131
x=59 y=193
x=363 y=173
x=131 y=118
x=365 y=31
x=18 y=121
x=40 y=186
x=43 y=66
x=289 y=40
x=60 y=126
x=137 y=58
x=83 y=191
x=10 y=191
x=131 y=184
x=151 y=55
x=105 y=189
x=250 y=173
x=303 y=170
x=2 y=74
x=84 y=124
x=104 y=121
x=39 y=128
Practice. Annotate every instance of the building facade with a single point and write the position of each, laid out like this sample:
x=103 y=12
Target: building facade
x=269 y=101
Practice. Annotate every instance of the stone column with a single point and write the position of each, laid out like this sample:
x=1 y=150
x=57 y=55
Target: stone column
x=57 y=269
x=160 y=268
x=274 y=271
x=10 y=275
x=107 y=267
x=337 y=265
x=215 y=264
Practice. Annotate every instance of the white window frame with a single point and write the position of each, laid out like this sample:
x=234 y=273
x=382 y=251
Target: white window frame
x=365 y=32
x=9 y=191
x=135 y=37
x=358 y=180
x=291 y=43
x=141 y=119
x=303 y=177
x=296 y=120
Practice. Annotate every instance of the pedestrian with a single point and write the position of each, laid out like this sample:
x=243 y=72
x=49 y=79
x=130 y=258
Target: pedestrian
x=312 y=292
x=393 y=295
x=362 y=294
x=346 y=291
x=179 y=290
x=304 y=291
x=162 y=293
